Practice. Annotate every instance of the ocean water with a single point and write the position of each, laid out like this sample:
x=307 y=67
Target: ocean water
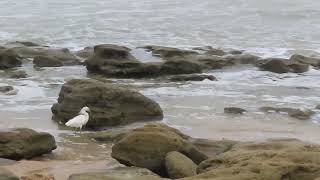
x=269 y=27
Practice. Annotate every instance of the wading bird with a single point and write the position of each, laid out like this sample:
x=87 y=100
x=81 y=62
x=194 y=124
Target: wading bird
x=81 y=120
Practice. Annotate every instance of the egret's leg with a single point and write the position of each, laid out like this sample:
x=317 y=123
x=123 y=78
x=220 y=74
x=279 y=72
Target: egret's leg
x=80 y=129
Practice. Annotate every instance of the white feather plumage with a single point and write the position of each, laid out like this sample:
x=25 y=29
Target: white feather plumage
x=80 y=120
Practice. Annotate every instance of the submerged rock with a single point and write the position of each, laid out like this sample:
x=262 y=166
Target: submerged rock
x=271 y=160
x=17 y=74
x=6 y=175
x=278 y=65
x=192 y=77
x=25 y=143
x=168 y=52
x=9 y=59
x=179 y=166
x=45 y=61
x=305 y=60
x=292 y=112
x=62 y=54
x=234 y=110
x=110 y=104
x=6 y=89
x=123 y=173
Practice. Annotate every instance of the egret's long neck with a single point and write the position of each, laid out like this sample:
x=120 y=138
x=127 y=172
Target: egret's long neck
x=83 y=112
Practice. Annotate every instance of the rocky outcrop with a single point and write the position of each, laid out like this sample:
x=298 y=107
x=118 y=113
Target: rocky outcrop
x=9 y=59
x=55 y=58
x=148 y=146
x=110 y=104
x=168 y=52
x=192 y=77
x=292 y=112
x=234 y=110
x=124 y=173
x=180 y=66
x=271 y=160
x=25 y=143
x=179 y=166
x=6 y=175
x=305 y=60
x=280 y=66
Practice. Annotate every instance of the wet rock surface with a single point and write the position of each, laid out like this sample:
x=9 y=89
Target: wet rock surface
x=6 y=175
x=110 y=104
x=17 y=74
x=234 y=110
x=25 y=143
x=292 y=112
x=124 y=173
x=192 y=77
x=179 y=166
x=280 y=66
x=38 y=176
x=168 y=52
x=147 y=147
x=9 y=59
x=270 y=160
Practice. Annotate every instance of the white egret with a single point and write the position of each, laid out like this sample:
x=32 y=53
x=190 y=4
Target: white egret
x=80 y=120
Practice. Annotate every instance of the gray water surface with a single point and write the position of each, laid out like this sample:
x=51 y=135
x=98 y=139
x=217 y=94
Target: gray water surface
x=274 y=27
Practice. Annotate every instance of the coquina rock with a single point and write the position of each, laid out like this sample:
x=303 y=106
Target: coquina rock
x=168 y=52
x=25 y=143
x=305 y=60
x=9 y=59
x=179 y=165
x=124 y=173
x=110 y=104
x=148 y=146
x=278 y=65
x=6 y=175
x=271 y=160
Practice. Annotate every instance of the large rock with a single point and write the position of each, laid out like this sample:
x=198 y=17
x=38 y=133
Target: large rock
x=270 y=160
x=9 y=59
x=25 y=143
x=124 y=173
x=169 y=52
x=179 y=166
x=148 y=146
x=110 y=104
x=179 y=66
x=55 y=58
x=6 y=175
x=117 y=61
x=62 y=54
x=278 y=65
